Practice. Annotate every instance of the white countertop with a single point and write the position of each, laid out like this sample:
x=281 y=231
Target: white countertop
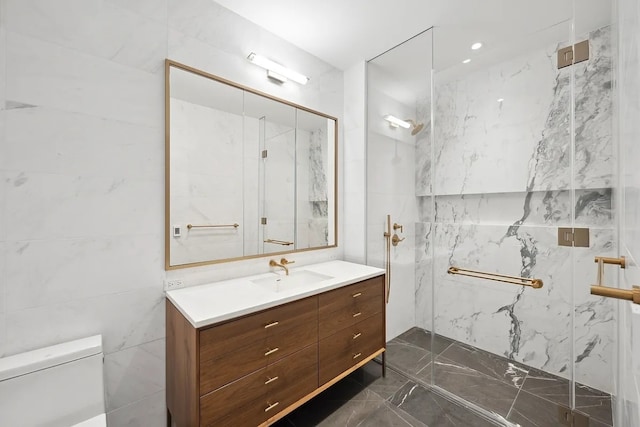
x=214 y=302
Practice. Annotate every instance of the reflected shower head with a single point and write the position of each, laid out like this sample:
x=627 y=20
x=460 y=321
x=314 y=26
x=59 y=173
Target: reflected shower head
x=415 y=127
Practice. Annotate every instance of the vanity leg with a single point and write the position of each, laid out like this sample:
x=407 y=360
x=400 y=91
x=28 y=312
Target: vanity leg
x=384 y=364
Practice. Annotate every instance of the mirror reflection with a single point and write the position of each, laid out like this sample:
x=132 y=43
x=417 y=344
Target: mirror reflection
x=247 y=174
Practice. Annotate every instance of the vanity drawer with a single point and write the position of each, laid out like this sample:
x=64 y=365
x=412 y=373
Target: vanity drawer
x=349 y=346
x=357 y=310
x=222 y=369
x=279 y=382
x=342 y=298
x=231 y=336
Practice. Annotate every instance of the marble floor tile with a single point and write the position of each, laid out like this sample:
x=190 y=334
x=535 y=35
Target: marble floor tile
x=487 y=363
x=595 y=403
x=370 y=376
x=434 y=410
x=406 y=358
x=424 y=375
x=422 y=339
x=390 y=416
x=346 y=403
x=489 y=393
x=533 y=411
x=548 y=386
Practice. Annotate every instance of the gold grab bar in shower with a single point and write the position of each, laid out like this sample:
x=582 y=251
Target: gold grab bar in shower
x=514 y=280
x=627 y=294
x=278 y=242
x=236 y=225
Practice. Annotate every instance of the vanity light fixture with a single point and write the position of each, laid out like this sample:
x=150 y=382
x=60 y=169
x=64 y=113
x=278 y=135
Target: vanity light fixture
x=476 y=46
x=277 y=71
x=395 y=122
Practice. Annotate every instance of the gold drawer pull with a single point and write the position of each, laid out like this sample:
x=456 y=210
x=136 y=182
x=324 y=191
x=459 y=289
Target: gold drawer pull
x=270 y=407
x=271 y=351
x=357 y=295
x=357 y=335
x=270 y=325
x=355 y=356
x=357 y=314
x=270 y=380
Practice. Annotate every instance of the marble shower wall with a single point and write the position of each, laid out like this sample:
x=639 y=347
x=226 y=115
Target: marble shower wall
x=502 y=184
x=82 y=173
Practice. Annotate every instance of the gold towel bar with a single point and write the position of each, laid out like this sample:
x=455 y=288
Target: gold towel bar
x=190 y=226
x=515 y=280
x=627 y=294
x=278 y=242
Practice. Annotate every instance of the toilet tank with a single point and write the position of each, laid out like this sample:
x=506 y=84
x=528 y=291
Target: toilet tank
x=61 y=385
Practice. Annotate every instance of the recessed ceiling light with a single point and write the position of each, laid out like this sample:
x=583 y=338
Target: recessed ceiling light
x=476 y=46
x=466 y=61
x=500 y=99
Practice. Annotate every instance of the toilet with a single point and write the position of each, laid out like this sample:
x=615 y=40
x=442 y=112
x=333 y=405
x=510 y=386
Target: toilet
x=55 y=386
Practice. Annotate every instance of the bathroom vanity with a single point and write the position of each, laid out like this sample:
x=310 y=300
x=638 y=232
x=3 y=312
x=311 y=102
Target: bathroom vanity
x=248 y=351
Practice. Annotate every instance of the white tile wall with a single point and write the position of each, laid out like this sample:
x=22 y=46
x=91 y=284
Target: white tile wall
x=628 y=85
x=82 y=172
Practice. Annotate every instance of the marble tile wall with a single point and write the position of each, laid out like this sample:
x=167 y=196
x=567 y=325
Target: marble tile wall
x=82 y=172
x=391 y=191
x=502 y=185
x=202 y=175
x=628 y=92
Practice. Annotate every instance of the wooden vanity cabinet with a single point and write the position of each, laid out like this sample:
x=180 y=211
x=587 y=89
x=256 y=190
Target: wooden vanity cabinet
x=255 y=369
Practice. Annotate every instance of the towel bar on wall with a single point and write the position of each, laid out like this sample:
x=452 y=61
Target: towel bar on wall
x=514 y=280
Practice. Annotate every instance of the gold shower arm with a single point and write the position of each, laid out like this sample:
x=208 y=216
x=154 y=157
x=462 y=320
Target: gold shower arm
x=514 y=280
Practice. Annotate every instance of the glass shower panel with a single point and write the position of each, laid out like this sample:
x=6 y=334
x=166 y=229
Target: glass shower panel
x=399 y=87
x=502 y=162
x=593 y=180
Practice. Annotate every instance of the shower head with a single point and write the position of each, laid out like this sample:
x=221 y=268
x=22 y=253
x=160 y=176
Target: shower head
x=415 y=127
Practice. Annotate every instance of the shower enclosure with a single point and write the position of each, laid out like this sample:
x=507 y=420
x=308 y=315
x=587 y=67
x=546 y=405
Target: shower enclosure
x=501 y=158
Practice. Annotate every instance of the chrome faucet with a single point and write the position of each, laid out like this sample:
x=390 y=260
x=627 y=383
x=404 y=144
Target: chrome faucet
x=283 y=263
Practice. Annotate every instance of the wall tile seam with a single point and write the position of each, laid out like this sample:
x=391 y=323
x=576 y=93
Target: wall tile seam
x=148 y=397
x=102 y=237
x=159 y=288
x=83 y=53
x=47 y=109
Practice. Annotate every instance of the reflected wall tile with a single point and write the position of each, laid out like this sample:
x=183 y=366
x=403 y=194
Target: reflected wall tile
x=42 y=272
x=53 y=206
x=134 y=374
x=124 y=319
x=101 y=29
x=45 y=74
x=151 y=411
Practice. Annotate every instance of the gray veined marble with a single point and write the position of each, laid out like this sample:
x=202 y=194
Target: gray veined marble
x=506 y=186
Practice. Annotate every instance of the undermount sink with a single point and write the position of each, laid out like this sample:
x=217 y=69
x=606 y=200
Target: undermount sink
x=295 y=279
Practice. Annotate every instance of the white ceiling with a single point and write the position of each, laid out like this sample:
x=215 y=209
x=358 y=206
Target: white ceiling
x=344 y=32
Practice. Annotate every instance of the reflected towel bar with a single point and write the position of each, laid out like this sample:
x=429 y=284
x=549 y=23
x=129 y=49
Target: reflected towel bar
x=190 y=226
x=515 y=280
x=278 y=242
